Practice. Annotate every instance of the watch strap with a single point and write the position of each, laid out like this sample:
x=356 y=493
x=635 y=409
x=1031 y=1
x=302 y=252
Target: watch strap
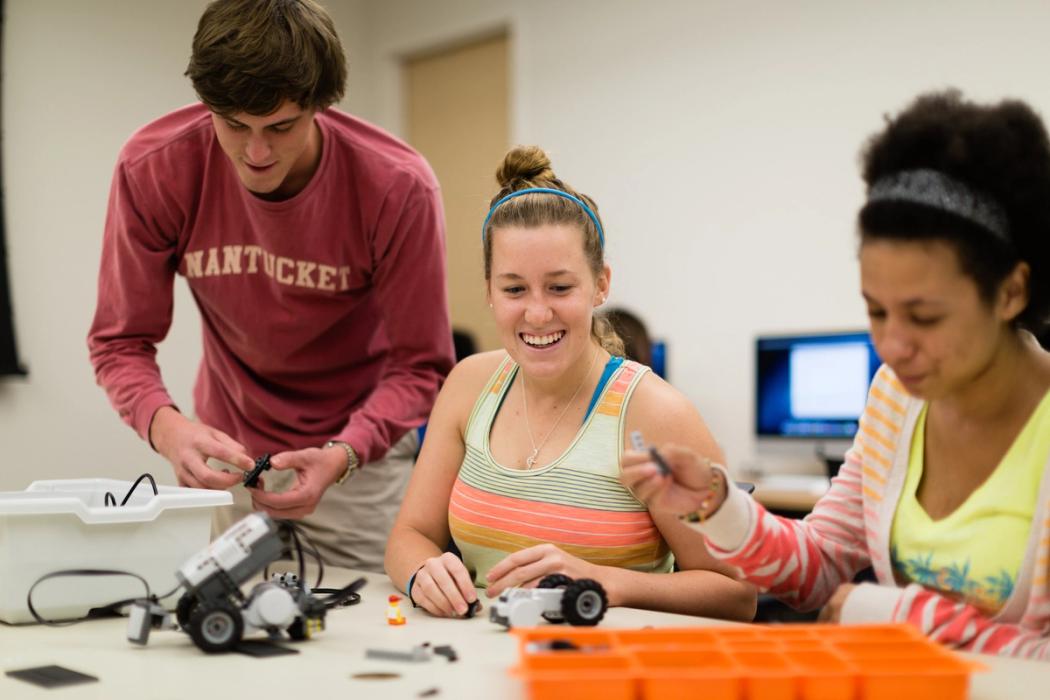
x=353 y=462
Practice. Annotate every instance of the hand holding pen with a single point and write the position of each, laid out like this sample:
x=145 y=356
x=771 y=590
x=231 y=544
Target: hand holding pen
x=673 y=478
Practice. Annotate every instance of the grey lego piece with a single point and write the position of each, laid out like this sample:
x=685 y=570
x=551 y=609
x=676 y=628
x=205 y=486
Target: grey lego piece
x=417 y=654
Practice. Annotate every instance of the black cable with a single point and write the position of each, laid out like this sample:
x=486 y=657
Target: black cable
x=345 y=602
x=316 y=553
x=298 y=551
x=288 y=527
x=297 y=535
x=81 y=572
x=152 y=482
x=342 y=597
x=111 y=500
x=173 y=591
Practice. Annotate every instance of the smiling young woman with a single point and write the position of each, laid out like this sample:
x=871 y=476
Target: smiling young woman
x=522 y=457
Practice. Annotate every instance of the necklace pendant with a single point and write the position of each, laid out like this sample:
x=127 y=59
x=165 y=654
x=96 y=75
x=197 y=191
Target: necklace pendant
x=530 y=461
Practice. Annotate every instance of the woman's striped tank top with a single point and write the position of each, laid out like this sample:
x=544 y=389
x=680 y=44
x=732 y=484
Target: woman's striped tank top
x=576 y=502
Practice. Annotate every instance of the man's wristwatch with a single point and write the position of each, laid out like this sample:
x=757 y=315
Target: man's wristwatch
x=353 y=462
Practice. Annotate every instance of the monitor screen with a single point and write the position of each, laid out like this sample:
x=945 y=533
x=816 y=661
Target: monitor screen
x=812 y=386
x=658 y=358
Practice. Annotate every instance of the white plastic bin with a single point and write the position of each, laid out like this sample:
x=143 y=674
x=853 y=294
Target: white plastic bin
x=65 y=524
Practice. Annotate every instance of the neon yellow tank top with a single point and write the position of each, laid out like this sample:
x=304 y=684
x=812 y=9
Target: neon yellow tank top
x=974 y=553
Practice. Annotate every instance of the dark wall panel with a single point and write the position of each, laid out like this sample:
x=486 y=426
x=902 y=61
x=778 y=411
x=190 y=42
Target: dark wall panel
x=8 y=349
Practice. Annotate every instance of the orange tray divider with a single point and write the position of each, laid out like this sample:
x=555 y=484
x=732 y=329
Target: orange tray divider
x=797 y=662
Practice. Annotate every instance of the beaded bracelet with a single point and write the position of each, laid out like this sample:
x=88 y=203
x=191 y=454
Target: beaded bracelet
x=700 y=514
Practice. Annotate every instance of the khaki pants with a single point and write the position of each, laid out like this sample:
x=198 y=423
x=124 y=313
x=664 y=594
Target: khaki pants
x=352 y=522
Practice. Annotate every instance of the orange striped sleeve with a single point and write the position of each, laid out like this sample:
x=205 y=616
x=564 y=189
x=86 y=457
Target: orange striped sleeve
x=884 y=398
x=878 y=438
x=890 y=425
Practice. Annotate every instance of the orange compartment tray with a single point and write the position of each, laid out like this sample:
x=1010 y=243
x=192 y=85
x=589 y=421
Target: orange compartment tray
x=796 y=662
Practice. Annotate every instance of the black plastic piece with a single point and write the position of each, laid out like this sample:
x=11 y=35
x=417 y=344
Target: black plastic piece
x=184 y=609
x=447 y=651
x=50 y=676
x=262 y=648
x=251 y=479
x=554 y=581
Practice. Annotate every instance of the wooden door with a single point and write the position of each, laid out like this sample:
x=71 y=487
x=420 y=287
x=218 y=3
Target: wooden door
x=457 y=116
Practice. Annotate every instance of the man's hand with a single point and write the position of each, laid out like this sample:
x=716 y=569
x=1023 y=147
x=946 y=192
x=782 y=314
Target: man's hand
x=684 y=490
x=832 y=612
x=526 y=567
x=316 y=468
x=188 y=446
x=443 y=587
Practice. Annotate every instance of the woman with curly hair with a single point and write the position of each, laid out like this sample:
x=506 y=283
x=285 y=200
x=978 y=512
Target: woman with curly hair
x=521 y=463
x=946 y=489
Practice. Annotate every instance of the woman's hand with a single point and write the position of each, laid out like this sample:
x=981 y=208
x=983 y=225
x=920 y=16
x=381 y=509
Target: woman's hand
x=832 y=612
x=687 y=487
x=443 y=587
x=526 y=567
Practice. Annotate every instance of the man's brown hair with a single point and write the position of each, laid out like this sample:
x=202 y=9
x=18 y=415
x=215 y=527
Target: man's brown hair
x=252 y=55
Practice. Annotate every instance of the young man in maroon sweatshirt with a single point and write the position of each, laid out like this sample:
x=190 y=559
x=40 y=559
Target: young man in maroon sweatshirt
x=313 y=244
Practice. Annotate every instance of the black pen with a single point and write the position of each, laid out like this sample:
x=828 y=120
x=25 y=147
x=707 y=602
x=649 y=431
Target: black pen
x=638 y=443
x=660 y=463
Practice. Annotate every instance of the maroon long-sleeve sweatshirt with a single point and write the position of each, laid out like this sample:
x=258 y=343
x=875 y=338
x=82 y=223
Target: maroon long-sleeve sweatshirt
x=324 y=315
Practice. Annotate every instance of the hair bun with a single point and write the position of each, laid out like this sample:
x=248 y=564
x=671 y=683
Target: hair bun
x=524 y=163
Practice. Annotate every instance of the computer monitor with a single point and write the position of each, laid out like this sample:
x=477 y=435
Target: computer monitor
x=812 y=387
x=658 y=358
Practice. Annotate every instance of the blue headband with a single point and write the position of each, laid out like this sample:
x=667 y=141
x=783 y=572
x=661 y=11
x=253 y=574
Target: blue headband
x=546 y=190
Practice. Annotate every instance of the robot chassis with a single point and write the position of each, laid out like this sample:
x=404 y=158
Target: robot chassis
x=216 y=613
x=557 y=598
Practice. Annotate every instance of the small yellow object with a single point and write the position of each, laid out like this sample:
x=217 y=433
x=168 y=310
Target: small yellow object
x=393 y=611
x=313 y=626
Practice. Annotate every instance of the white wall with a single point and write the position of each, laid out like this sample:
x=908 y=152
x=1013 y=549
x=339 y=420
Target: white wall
x=719 y=138
x=79 y=77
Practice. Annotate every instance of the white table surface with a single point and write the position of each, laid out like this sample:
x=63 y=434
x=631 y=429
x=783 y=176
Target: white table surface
x=172 y=667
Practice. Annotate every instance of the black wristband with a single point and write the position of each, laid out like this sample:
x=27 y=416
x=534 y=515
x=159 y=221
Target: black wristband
x=412 y=580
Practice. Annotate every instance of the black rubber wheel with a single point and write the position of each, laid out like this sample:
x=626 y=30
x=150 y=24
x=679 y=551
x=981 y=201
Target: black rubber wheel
x=297 y=630
x=554 y=581
x=216 y=627
x=584 y=603
x=184 y=609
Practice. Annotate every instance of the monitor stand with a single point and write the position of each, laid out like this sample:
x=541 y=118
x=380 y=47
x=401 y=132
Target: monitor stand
x=793 y=456
x=792 y=475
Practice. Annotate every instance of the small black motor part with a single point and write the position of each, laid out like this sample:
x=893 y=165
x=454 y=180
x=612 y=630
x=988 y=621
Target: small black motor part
x=251 y=479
